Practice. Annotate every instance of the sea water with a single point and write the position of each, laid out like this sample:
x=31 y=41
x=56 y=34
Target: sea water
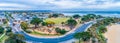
x=102 y=14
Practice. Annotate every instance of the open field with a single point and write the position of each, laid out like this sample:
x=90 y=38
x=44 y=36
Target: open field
x=57 y=20
x=3 y=38
x=41 y=34
x=113 y=35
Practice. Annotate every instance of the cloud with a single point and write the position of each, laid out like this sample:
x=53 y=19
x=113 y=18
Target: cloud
x=14 y=5
x=60 y=4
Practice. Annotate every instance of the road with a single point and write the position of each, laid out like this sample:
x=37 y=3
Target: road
x=51 y=40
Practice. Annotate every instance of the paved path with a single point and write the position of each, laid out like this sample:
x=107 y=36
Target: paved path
x=52 y=40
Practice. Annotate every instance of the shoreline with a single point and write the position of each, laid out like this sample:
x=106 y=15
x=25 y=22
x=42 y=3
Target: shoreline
x=112 y=34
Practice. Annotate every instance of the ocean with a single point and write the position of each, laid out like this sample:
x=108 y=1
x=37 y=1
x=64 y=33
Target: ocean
x=70 y=13
x=102 y=14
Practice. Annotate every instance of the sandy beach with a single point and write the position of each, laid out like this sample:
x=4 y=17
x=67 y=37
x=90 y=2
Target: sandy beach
x=113 y=33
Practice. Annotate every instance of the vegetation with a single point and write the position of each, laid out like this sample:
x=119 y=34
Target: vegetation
x=44 y=24
x=15 y=38
x=50 y=23
x=9 y=29
x=2 y=40
x=61 y=31
x=71 y=23
x=62 y=23
x=38 y=33
x=24 y=25
x=89 y=17
x=1 y=29
x=76 y=16
x=57 y=20
x=36 y=22
x=84 y=36
x=55 y=15
x=100 y=27
x=109 y=20
x=5 y=22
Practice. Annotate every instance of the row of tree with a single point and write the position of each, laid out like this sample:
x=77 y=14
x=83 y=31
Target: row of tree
x=86 y=36
x=15 y=38
x=89 y=17
x=83 y=36
x=36 y=21
x=100 y=28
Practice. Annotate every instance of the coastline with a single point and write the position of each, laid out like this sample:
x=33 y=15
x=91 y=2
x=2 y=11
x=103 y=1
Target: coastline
x=112 y=34
x=102 y=14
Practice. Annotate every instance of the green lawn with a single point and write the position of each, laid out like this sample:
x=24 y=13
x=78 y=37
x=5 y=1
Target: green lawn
x=57 y=20
x=3 y=37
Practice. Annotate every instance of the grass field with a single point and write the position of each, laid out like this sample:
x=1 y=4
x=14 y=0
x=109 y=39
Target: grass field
x=41 y=34
x=57 y=20
x=3 y=37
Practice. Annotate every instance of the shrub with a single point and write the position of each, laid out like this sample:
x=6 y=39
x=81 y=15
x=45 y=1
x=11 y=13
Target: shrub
x=44 y=24
x=61 y=31
x=9 y=29
x=1 y=29
x=28 y=31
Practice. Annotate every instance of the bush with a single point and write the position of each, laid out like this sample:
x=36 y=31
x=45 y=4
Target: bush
x=1 y=29
x=44 y=24
x=61 y=31
x=28 y=31
x=9 y=29
x=76 y=16
x=24 y=25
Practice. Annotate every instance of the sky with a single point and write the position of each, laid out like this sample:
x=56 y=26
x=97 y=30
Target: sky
x=60 y=5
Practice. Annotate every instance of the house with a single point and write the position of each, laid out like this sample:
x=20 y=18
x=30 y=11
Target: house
x=2 y=18
x=21 y=17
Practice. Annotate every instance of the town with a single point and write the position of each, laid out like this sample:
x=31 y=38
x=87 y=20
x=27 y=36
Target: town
x=24 y=27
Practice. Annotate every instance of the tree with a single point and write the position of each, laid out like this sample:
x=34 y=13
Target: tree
x=107 y=21
x=15 y=38
x=36 y=22
x=89 y=17
x=85 y=36
x=55 y=15
x=92 y=16
x=50 y=16
x=5 y=22
x=61 y=31
x=76 y=16
x=71 y=23
x=50 y=23
x=44 y=24
x=62 y=23
x=1 y=29
x=9 y=29
x=99 y=16
x=24 y=25
x=102 y=29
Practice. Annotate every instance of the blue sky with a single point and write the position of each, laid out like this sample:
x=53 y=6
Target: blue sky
x=60 y=4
